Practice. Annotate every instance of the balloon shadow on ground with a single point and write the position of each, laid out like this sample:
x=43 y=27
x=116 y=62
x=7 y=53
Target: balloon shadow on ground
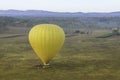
x=76 y=65
x=59 y=65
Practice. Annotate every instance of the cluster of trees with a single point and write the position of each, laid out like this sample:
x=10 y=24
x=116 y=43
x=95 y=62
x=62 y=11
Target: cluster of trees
x=6 y=22
x=69 y=24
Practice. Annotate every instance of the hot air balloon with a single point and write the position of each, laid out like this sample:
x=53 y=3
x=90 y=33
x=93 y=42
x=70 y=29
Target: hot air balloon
x=46 y=40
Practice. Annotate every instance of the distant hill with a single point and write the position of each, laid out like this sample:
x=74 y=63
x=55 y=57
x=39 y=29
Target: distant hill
x=41 y=13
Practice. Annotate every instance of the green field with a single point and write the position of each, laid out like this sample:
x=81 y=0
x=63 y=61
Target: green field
x=82 y=57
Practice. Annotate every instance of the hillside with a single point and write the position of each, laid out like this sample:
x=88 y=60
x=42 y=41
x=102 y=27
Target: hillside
x=16 y=21
x=36 y=13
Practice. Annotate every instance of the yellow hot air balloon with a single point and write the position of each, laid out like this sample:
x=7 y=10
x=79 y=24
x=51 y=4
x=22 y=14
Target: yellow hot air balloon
x=46 y=40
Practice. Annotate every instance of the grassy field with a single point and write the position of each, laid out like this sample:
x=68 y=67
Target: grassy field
x=82 y=58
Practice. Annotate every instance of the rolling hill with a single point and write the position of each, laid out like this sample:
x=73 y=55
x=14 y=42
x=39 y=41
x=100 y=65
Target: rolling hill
x=36 y=13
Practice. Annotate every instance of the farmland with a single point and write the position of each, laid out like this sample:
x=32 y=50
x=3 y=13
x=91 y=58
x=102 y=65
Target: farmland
x=83 y=57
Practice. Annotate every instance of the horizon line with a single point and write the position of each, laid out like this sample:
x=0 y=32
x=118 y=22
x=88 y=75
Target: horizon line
x=60 y=11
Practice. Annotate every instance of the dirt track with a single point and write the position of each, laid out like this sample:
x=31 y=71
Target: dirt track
x=19 y=35
x=12 y=36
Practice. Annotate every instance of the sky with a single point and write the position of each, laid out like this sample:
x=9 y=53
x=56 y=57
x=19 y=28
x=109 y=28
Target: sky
x=62 y=5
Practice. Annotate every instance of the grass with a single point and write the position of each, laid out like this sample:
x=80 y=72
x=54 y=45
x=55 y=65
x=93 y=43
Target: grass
x=81 y=58
x=105 y=35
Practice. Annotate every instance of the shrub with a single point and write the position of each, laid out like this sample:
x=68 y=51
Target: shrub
x=105 y=35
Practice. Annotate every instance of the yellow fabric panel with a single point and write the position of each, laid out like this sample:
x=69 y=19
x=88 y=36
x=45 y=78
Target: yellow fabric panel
x=46 y=40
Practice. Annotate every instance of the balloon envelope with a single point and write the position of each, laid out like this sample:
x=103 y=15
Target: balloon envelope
x=46 y=40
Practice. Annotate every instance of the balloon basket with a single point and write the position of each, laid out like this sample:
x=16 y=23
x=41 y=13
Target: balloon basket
x=46 y=65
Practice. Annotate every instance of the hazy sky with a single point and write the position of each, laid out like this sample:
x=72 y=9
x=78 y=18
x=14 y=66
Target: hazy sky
x=62 y=5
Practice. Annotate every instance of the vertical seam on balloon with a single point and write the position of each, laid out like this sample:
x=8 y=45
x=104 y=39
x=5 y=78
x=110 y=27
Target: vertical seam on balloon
x=53 y=37
x=56 y=38
x=44 y=38
x=47 y=40
x=38 y=37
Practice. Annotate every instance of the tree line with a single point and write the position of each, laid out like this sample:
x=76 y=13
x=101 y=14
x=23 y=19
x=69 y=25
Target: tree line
x=68 y=23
